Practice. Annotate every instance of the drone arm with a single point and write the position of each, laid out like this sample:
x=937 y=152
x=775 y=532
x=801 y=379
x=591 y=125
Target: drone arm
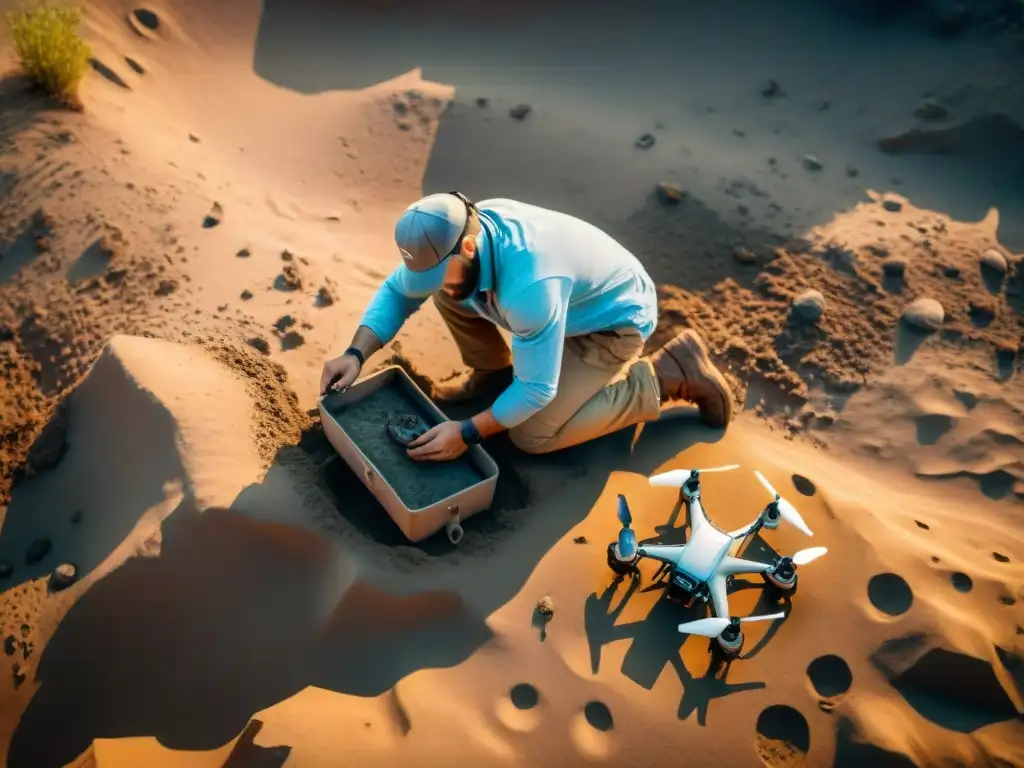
x=747 y=530
x=662 y=553
x=719 y=589
x=732 y=566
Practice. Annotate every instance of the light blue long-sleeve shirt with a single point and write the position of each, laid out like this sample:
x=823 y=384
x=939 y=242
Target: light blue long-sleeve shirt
x=544 y=276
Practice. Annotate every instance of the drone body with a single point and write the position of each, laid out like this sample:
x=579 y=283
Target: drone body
x=700 y=569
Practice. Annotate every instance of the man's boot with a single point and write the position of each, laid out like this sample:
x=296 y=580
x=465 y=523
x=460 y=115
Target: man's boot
x=475 y=385
x=685 y=372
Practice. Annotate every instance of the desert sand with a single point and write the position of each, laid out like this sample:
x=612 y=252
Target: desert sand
x=180 y=257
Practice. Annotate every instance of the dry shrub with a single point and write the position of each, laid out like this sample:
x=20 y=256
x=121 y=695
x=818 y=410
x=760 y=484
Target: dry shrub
x=50 y=49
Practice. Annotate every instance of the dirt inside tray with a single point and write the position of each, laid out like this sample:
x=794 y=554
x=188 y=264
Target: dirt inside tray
x=418 y=484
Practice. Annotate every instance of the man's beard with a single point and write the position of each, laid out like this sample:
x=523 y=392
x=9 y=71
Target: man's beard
x=467 y=287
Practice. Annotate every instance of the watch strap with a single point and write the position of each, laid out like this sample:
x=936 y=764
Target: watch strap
x=357 y=354
x=470 y=434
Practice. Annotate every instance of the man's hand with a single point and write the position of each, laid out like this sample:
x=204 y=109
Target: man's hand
x=441 y=443
x=340 y=373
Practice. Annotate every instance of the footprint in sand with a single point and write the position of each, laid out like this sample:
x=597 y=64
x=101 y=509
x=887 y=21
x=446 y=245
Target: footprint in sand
x=804 y=486
x=783 y=737
x=591 y=730
x=830 y=677
x=890 y=594
x=961 y=582
x=519 y=710
x=144 y=22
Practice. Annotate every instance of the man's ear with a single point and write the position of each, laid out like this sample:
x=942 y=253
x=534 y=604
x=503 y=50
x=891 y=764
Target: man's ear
x=469 y=246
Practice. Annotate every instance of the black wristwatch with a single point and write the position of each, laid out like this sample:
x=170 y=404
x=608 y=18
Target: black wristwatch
x=470 y=434
x=356 y=353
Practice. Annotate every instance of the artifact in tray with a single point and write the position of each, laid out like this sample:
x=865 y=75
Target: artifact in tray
x=406 y=428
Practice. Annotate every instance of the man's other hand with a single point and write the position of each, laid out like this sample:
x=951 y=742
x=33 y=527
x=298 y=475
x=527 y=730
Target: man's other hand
x=339 y=374
x=441 y=443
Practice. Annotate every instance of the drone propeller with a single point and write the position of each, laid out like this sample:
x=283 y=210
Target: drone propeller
x=626 y=547
x=786 y=510
x=677 y=477
x=805 y=556
x=713 y=627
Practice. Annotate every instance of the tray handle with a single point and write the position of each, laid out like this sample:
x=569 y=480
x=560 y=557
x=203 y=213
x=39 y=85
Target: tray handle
x=452 y=526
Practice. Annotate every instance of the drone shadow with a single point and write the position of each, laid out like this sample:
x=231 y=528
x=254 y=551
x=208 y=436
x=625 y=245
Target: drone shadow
x=657 y=643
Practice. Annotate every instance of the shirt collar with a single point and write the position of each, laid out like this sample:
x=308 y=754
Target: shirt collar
x=485 y=253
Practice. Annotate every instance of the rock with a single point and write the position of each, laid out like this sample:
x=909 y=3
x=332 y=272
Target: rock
x=289 y=279
x=6 y=569
x=292 y=340
x=852 y=171
x=809 y=305
x=284 y=323
x=812 y=163
x=259 y=344
x=324 y=297
x=982 y=311
x=76 y=517
x=744 y=255
x=546 y=606
x=994 y=260
x=950 y=271
x=37 y=550
x=243 y=253
x=193 y=138
x=482 y=101
x=771 y=88
x=63 y=576
x=892 y=205
x=924 y=314
x=580 y=540
x=245 y=295
x=166 y=287
x=670 y=193
x=213 y=218
x=930 y=109
x=894 y=267
x=520 y=111
x=646 y=141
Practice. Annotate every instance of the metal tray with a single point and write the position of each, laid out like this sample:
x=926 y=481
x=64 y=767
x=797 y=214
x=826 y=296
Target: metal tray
x=416 y=524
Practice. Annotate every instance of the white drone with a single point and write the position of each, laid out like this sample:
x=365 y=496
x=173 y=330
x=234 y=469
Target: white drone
x=702 y=567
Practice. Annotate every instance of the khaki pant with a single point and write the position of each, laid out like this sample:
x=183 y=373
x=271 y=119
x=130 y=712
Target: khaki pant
x=604 y=385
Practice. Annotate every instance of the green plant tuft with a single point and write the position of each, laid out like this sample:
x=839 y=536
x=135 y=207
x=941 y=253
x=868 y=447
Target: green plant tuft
x=49 y=48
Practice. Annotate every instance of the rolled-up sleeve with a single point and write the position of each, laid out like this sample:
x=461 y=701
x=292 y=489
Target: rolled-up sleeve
x=399 y=296
x=537 y=317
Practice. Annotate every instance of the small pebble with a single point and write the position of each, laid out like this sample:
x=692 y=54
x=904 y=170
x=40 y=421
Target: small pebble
x=924 y=314
x=546 y=606
x=520 y=111
x=63 y=576
x=809 y=305
x=670 y=193
x=580 y=540
x=994 y=260
x=812 y=163
x=6 y=569
x=245 y=295
x=744 y=255
x=76 y=516
x=770 y=88
x=892 y=205
x=646 y=141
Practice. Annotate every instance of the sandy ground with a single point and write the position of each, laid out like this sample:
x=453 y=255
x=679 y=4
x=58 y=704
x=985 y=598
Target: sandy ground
x=180 y=258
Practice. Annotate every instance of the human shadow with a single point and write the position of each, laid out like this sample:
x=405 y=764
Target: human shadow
x=59 y=512
x=245 y=606
x=233 y=616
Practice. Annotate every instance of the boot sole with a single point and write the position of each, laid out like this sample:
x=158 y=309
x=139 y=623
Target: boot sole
x=699 y=360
